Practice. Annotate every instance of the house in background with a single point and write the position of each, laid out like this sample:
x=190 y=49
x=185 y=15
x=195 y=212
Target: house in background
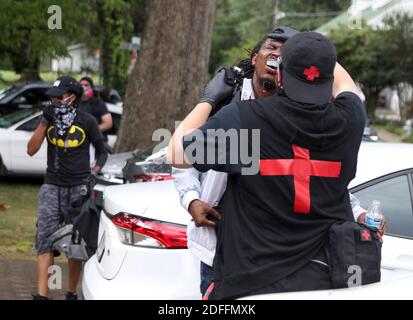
x=373 y=13
x=79 y=59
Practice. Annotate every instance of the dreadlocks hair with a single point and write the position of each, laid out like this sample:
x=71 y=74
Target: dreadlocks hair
x=246 y=64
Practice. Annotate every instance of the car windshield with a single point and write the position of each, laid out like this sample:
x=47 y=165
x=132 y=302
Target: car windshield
x=16 y=116
x=6 y=91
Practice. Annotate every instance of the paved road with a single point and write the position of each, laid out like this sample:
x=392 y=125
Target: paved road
x=18 y=280
x=387 y=136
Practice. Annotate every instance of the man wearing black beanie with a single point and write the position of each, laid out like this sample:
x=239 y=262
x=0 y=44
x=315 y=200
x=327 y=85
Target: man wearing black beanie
x=95 y=106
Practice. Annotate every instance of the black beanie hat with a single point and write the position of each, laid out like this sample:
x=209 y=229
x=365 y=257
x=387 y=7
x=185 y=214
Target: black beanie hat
x=88 y=79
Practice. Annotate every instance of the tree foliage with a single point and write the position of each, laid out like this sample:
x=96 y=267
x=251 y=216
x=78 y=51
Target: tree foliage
x=377 y=58
x=398 y=37
x=26 y=38
x=117 y=21
x=101 y=24
x=114 y=27
x=360 y=55
x=310 y=14
x=240 y=24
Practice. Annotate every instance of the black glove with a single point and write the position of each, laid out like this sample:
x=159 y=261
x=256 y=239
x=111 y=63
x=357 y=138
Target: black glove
x=221 y=87
x=48 y=113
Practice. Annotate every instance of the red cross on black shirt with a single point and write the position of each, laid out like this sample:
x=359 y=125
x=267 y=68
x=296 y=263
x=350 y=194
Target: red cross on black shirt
x=301 y=168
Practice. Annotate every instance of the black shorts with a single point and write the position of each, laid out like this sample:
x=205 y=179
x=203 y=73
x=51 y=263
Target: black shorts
x=50 y=214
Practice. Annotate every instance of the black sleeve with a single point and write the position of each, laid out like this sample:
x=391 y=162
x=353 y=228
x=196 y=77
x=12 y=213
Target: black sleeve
x=97 y=140
x=101 y=108
x=215 y=145
x=347 y=98
x=101 y=153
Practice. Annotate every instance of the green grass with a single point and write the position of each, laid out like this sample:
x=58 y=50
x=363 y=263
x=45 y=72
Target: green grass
x=407 y=138
x=7 y=77
x=391 y=127
x=17 y=222
x=395 y=128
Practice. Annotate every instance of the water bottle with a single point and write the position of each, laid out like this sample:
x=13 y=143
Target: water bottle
x=374 y=216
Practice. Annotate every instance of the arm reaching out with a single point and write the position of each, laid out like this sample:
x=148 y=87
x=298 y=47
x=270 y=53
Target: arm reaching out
x=175 y=155
x=343 y=82
x=216 y=92
x=107 y=122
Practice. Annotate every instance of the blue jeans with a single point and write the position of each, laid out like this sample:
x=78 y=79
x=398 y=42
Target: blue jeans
x=207 y=276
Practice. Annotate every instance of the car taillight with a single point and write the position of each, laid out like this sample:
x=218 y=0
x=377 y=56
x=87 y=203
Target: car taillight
x=152 y=177
x=144 y=232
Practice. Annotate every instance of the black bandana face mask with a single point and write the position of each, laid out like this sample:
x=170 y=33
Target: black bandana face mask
x=64 y=117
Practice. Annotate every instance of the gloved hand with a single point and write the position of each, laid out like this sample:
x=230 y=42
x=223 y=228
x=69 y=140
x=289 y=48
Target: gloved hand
x=221 y=87
x=48 y=113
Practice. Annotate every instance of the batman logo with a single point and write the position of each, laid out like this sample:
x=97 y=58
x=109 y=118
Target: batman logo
x=75 y=137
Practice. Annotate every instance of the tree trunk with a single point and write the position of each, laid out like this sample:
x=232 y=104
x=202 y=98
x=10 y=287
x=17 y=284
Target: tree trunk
x=106 y=50
x=28 y=68
x=372 y=98
x=32 y=72
x=171 y=70
x=405 y=94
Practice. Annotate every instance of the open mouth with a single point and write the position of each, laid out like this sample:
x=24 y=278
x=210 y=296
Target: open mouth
x=272 y=64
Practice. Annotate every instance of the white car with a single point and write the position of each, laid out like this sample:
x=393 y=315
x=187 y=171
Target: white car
x=16 y=129
x=142 y=252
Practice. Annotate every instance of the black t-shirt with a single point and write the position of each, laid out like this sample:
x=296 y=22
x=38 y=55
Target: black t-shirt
x=279 y=204
x=68 y=162
x=97 y=108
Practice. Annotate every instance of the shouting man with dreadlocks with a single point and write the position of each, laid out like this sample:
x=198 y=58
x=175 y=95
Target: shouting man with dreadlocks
x=201 y=195
x=69 y=133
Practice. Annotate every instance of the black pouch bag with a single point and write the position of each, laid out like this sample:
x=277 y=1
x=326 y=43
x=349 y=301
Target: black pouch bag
x=86 y=218
x=354 y=248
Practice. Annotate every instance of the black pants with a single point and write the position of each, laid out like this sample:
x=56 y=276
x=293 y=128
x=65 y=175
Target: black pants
x=315 y=275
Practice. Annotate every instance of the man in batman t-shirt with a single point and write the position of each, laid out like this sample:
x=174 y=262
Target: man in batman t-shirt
x=69 y=133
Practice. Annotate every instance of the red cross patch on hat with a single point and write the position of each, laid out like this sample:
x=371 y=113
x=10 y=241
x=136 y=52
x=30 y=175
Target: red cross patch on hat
x=311 y=73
